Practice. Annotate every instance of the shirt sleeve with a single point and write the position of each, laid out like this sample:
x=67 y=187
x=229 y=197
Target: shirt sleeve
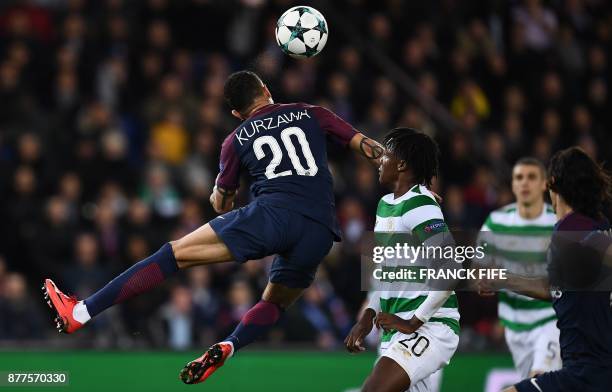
x=424 y=218
x=229 y=165
x=341 y=131
x=433 y=302
x=373 y=301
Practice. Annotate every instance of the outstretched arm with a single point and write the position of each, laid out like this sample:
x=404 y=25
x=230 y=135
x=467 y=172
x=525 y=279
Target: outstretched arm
x=355 y=338
x=345 y=134
x=593 y=251
x=368 y=148
x=538 y=288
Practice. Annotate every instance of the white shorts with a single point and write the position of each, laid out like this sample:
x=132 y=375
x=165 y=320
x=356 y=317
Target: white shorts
x=422 y=354
x=537 y=350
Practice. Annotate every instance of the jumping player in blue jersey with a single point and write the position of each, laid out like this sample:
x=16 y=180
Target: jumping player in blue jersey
x=283 y=147
x=580 y=192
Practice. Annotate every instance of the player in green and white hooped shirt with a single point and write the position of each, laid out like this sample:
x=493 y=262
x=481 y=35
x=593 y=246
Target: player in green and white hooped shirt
x=517 y=236
x=420 y=328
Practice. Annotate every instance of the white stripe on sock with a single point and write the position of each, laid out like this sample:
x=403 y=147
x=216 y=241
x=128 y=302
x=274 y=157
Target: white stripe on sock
x=231 y=344
x=80 y=313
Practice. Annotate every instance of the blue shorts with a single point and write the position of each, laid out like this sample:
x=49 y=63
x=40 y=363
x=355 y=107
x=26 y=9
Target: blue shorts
x=573 y=378
x=260 y=229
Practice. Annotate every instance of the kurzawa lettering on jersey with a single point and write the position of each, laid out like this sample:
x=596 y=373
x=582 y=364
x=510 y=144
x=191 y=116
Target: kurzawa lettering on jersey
x=283 y=147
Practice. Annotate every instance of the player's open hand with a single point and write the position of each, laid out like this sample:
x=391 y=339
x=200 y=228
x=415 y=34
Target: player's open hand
x=354 y=340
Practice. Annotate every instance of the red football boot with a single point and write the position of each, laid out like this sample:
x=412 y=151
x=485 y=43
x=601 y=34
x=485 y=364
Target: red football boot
x=63 y=305
x=200 y=369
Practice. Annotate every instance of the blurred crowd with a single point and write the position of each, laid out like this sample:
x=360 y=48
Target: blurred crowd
x=112 y=116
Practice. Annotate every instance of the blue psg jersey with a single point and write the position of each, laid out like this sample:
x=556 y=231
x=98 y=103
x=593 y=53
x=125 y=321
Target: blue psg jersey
x=283 y=148
x=584 y=315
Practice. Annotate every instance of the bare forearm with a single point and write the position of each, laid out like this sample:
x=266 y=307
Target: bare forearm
x=538 y=288
x=411 y=325
x=367 y=315
x=390 y=322
x=367 y=148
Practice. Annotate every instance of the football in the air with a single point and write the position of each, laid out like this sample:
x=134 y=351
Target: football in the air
x=301 y=32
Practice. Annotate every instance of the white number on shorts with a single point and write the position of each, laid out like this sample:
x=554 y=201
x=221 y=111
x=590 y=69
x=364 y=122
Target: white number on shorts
x=552 y=353
x=419 y=346
x=277 y=153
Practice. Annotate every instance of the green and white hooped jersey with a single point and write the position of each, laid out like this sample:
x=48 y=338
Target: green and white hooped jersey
x=417 y=213
x=520 y=245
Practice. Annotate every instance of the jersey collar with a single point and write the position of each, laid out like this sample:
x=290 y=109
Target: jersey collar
x=262 y=110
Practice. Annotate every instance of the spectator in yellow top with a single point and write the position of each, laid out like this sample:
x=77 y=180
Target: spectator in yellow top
x=169 y=138
x=470 y=98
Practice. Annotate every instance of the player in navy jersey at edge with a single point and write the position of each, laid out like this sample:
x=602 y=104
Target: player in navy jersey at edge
x=580 y=193
x=283 y=147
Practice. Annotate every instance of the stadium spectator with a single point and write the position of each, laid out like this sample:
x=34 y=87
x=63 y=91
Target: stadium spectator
x=86 y=273
x=181 y=320
x=21 y=316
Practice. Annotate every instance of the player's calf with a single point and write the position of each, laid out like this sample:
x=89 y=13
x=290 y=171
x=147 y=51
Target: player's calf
x=255 y=323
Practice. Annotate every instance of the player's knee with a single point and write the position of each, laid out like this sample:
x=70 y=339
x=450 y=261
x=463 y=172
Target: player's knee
x=375 y=383
x=366 y=385
x=378 y=387
x=282 y=303
x=281 y=295
x=178 y=248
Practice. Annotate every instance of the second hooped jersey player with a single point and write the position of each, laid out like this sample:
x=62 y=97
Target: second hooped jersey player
x=283 y=147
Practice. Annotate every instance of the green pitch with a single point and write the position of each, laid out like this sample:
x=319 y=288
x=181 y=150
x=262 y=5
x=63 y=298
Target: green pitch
x=249 y=371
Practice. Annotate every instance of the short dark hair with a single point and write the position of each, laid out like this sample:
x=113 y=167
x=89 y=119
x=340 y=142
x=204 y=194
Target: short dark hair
x=419 y=151
x=241 y=89
x=580 y=181
x=531 y=161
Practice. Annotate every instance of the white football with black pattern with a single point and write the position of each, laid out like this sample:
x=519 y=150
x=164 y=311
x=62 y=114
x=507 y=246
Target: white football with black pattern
x=301 y=32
